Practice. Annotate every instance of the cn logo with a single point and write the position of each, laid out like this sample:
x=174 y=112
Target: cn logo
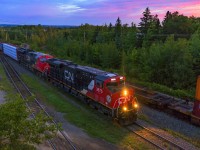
x=100 y=91
x=69 y=76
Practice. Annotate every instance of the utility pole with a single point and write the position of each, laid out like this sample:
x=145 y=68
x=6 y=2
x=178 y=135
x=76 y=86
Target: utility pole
x=84 y=36
x=26 y=35
x=6 y=36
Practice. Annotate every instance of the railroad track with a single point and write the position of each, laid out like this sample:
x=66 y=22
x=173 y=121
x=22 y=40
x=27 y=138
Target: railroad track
x=62 y=140
x=153 y=138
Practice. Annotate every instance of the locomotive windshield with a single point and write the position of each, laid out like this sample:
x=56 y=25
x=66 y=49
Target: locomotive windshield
x=115 y=86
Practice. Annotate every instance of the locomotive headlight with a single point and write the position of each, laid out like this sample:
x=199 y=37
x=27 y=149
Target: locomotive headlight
x=125 y=92
x=125 y=108
x=135 y=105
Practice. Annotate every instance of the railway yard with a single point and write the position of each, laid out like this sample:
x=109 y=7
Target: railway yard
x=156 y=129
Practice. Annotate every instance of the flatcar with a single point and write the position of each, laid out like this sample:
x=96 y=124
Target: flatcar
x=103 y=90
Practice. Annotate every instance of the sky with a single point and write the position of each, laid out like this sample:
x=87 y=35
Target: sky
x=96 y=12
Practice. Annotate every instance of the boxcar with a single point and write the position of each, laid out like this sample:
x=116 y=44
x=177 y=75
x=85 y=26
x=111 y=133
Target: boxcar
x=10 y=50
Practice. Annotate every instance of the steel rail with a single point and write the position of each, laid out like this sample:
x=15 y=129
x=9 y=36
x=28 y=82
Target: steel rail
x=38 y=103
x=156 y=135
x=146 y=139
x=165 y=139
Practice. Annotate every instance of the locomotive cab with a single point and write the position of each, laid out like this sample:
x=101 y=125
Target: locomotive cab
x=38 y=61
x=111 y=90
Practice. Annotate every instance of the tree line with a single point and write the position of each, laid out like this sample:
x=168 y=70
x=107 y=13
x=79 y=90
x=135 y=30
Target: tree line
x=166 y=52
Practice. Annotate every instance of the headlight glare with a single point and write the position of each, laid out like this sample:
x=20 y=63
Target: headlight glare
x=125 y=108
x=135 y=105
x=125 y=92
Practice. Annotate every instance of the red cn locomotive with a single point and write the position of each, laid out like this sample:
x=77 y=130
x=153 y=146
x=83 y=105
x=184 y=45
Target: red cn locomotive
x=109 y=90
x=35 y=61
x=105 y=91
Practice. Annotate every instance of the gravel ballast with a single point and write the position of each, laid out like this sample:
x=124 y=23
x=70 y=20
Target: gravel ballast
x=166 y=121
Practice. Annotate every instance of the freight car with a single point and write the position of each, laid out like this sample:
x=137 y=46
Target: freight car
x=181 y=108
x=196 y=109
x=103 y=90
x=1 y=48
x=10 y=50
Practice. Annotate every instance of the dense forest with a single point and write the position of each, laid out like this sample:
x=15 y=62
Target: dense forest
x=167 y=52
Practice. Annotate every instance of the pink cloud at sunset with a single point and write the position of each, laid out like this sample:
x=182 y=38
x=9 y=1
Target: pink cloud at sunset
x=76 y=12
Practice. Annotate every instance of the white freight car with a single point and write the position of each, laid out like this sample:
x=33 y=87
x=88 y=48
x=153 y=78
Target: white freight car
x=10 y=50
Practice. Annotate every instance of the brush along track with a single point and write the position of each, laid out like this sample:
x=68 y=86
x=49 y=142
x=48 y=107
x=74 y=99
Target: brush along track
x=154 y=138
x=61 y=141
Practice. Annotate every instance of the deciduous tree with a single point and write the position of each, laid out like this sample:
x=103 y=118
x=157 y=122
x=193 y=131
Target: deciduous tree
x=17 y=130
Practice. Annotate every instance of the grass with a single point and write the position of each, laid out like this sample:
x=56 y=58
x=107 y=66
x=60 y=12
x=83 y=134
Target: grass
x=5 y=84
x=81 y=115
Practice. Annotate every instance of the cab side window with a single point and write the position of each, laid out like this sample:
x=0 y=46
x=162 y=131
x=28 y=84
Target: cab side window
x=43 y=59
x=99 y=83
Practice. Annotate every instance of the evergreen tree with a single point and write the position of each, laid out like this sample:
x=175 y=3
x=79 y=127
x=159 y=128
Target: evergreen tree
x=110 y=27
x=156 y=26
x=177 y=24
x=195 y=50
x=130 y=38
x=146 y=20
x=96 y=32
x=118 y=32
x=167 y=17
